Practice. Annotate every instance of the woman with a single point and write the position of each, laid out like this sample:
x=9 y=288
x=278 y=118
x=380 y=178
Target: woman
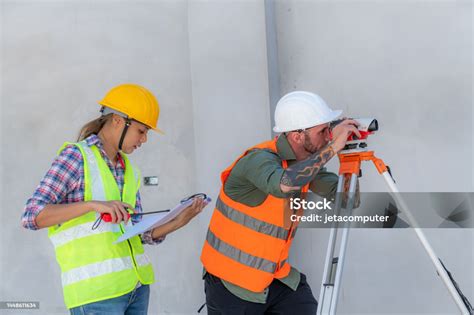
x=91 y=178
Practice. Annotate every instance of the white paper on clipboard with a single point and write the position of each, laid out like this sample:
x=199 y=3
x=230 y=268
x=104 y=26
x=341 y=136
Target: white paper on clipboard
x=151 y=221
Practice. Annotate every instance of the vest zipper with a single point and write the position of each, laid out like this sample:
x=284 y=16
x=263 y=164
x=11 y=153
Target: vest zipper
x=290 y=233
x=121 y=228
x=131 y=249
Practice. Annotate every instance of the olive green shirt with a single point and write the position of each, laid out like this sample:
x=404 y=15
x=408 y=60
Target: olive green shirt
x=253 y=178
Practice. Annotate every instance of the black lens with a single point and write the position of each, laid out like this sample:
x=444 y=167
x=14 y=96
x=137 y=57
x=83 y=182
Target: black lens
x=374 y=125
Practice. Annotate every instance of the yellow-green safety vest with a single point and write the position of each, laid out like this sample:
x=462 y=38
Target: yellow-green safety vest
x=93 y=268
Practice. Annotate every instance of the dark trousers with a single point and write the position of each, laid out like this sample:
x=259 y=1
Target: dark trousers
x=281 y=299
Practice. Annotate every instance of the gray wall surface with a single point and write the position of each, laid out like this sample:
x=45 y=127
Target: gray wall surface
x=234 y=114
x=407 y=63
x=230 y=96
x=59 y=59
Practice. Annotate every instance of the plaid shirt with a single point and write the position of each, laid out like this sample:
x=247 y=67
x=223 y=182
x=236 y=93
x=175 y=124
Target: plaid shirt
x=64 y=183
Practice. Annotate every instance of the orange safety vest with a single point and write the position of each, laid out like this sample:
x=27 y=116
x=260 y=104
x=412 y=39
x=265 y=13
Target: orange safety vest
x=249 y=246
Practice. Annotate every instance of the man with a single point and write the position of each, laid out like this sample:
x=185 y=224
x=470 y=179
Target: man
x=245 y=255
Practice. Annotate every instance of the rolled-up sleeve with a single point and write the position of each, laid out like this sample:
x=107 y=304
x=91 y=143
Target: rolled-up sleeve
x=146 y=237
x=61 y=178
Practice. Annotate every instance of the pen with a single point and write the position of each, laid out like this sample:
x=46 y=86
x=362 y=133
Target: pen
x=106 y=217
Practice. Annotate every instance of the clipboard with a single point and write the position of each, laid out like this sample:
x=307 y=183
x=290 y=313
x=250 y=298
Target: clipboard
x=154 y=220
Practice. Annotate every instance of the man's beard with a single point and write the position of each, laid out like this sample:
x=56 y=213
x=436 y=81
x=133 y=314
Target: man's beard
x=308 y=146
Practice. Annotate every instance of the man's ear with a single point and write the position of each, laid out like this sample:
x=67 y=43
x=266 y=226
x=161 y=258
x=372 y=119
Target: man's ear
x=295 y=137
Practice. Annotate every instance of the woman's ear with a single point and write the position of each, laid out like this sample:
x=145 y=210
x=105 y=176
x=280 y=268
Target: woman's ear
x=116 y=120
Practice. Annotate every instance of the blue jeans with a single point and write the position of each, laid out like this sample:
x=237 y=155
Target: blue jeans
x=133 y=303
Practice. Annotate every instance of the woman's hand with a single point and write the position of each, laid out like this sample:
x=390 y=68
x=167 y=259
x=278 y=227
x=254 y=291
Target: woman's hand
x=181 y=220
x=190 y=212
x=116 y=209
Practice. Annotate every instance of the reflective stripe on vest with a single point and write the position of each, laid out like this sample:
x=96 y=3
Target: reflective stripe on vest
x=238 y=255
x=97 y=187
x=101 y=268
x=80 y=231
x=89 y=259
x=251 y=223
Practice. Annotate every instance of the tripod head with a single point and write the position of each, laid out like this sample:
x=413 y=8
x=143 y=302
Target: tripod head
x=355 y=144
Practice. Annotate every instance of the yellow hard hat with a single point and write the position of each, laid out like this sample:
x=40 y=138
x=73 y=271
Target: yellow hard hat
x=136 y=102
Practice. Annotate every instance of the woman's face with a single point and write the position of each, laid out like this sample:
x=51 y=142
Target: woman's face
x=136 y=135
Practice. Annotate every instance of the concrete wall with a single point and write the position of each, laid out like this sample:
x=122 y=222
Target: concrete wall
x=58 y=59
x=207 y=63
x=230 y=112
x=409 y=65
x=229 y=83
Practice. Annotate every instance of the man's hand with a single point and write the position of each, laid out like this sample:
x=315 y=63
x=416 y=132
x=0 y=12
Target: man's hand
x=342 y=131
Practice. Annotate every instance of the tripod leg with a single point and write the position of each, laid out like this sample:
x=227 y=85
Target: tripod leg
x=421 y=236
x=334 y=265
x=327 y=286
x=343 y=246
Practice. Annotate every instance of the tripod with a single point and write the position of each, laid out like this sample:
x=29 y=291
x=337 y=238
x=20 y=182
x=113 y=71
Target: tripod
x=350 y=165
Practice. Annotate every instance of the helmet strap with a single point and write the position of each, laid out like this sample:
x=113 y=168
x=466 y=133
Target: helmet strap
x=128 y=122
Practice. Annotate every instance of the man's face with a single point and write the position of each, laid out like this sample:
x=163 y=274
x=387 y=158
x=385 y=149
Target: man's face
x=316 y=138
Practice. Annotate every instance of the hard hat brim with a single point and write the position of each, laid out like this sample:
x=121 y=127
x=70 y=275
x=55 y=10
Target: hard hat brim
x=337 y=113
x=158 y=130
x=112 y=109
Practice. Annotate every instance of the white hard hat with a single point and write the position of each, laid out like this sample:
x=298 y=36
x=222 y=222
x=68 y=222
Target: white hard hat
x=301 y=110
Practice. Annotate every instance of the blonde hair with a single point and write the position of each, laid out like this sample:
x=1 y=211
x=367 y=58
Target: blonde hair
x=93 y=127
